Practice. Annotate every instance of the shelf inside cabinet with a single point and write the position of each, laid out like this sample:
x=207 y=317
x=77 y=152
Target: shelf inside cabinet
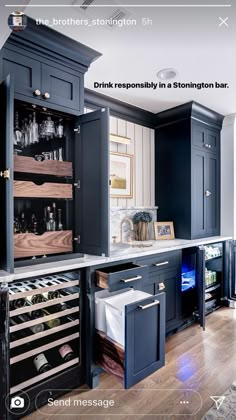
x=42 y=376
x=29 y=165
x=28 y=189
x=29 y=244
x=45 y=333
x=41 y=349
x=213 y=287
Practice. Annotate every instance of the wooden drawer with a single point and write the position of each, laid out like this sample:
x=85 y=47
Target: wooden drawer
x=25 y=164
x=162 y=262
x=119 y=276
x=144 y=347
x=29 y=244
x=28 y=189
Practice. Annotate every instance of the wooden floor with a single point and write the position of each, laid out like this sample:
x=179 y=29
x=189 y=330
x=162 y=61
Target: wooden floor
x=202 y=361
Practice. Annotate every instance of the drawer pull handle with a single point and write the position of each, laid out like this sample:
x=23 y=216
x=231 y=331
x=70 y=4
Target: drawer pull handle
x=162 y=263
x=161 y=286
x=131 y=279
x=149 y=305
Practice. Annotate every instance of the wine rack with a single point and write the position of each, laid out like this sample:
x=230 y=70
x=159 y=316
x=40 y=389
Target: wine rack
x=45 y=328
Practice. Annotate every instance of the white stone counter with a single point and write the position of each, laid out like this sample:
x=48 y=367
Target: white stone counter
x=118 y=253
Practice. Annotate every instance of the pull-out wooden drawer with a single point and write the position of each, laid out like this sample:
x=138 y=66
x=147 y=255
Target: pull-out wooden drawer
x=30 y=245
x=119 y=276
x=28 y=189
x=144 y=342
x=29 y=165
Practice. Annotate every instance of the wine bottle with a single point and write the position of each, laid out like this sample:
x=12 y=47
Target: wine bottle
x=37 y=298
x=21 y=319
x=16 y=303
x=17 y=335
x=35 y=313
x=41 y=363
x=51 y=323
x=66 y=352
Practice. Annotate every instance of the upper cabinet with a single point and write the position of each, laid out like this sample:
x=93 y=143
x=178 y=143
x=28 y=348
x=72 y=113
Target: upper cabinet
x=188 y=170
x=54 y=161
x=47 y=67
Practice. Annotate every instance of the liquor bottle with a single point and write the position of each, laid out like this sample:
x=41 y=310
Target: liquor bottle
x=23 y=226
x=59 y=225
x=16 y=225
x=17 y=131
x=51 y=224
x=54 y=210
x=21 y=319
x=35 y=129
x=51 y=323
x=66 y=352
x=41 y=363
x=34 y=224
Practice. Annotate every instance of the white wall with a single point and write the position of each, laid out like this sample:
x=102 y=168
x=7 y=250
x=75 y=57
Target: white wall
x=142 y=148
x=228 y=176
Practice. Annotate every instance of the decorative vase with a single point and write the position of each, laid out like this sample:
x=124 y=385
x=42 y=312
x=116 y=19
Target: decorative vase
x=142 y=231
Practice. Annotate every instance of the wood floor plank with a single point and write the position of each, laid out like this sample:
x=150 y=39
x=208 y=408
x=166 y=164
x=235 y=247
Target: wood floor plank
x=202 y=361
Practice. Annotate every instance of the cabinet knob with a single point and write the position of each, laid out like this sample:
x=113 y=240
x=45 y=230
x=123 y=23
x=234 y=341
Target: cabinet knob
x=37 y=92
x=161 y=286
x=207 y=193
x=46 y=95
x=209 y=146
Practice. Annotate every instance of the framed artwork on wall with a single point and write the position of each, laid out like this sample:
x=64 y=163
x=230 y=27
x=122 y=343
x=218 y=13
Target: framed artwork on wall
x=121 y=175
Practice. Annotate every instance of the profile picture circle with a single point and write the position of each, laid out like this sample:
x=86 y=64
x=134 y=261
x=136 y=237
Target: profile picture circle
x=17 y=21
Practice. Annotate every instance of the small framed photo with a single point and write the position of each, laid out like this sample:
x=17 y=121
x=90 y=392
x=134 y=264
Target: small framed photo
x=121 y=175
x=164 y=230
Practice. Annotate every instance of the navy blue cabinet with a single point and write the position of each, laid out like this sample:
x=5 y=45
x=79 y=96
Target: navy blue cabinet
x=187 y=161
x=43 y=83
x=45 y=70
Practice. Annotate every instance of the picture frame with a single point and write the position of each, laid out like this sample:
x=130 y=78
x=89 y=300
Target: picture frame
x=164 y=230
x=121 y=175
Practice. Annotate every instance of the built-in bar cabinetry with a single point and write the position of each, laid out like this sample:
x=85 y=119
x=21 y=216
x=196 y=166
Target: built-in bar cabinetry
x=55 y=165
x=41 y=338
x=187 y=161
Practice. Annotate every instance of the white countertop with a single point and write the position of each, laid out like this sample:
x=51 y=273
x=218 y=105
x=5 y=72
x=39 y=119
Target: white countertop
x=119 y=253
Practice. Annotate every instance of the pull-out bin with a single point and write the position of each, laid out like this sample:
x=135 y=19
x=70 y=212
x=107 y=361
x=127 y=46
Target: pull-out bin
x=134 y=346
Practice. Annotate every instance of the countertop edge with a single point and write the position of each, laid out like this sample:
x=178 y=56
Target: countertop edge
x=91 y=260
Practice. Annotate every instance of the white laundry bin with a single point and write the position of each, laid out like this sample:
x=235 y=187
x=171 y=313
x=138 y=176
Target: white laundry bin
x=115 y=313
x=100 y=313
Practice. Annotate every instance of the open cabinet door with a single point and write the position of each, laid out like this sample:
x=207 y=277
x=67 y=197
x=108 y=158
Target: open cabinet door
x=4 y=351
x=6 y=169
x=92 y=176
x=200 y=278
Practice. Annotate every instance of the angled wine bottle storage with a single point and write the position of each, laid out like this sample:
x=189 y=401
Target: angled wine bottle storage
x=45 y=329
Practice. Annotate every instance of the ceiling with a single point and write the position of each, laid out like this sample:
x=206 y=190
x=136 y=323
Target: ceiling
x=186 y=39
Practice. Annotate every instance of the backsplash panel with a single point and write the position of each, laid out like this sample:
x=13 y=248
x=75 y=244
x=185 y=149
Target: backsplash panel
x=117 y=214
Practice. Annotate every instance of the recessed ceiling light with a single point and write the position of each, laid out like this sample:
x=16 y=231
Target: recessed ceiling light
x=166 y=74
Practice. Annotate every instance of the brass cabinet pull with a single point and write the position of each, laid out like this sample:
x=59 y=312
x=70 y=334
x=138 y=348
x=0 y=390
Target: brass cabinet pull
x=37 y=92
x=5 y=174
x=131 y=279
x=149 y=305
x=161 y=286
x=162 y=263
x=46 y=95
